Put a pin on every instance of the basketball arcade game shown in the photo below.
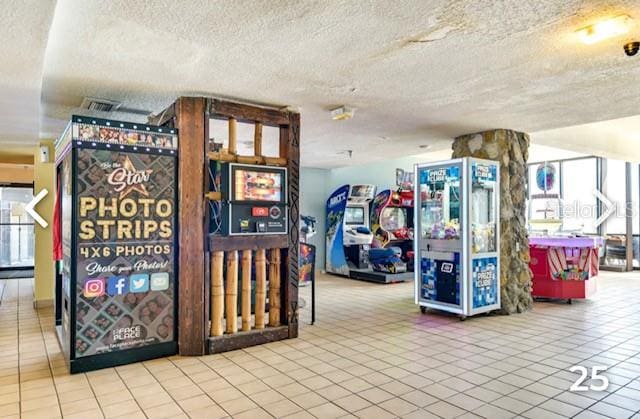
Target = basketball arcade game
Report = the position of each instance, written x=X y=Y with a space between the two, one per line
x=457 y=267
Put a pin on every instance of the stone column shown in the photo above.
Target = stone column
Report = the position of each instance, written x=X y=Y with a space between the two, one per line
x=510 y=148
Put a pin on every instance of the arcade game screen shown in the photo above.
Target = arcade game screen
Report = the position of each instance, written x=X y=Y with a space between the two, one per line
x=257 y=186
x=354 y=216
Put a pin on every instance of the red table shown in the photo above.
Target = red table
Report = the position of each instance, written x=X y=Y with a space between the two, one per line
x=564 y=267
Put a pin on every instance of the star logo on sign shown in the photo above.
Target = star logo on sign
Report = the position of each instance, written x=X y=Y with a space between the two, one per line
x=127 y=179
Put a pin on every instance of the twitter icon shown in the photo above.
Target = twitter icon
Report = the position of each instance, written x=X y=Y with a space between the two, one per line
x=139 y=283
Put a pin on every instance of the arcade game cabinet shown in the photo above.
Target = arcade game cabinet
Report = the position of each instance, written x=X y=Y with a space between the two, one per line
x=457 y=247
x=391 y=255
x=348 y=236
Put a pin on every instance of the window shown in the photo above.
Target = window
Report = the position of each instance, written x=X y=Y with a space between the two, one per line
x=580 y=207
x=614 y=188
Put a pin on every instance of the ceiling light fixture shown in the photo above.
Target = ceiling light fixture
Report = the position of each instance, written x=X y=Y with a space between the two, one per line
x=631 y=48
x=606 y=29
x=342 y=113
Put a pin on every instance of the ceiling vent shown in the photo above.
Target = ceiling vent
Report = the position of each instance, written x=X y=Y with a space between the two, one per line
x=100 y=105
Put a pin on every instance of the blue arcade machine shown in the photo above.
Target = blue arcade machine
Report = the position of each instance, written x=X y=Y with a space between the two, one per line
x=349 y=236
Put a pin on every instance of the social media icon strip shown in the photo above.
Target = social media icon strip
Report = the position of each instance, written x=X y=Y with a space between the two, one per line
x=118 y=285
x=139 y=283
x=93 y=287
x=159 y=281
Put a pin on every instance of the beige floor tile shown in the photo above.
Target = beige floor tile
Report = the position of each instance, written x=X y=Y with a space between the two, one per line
x=465 y=402
x=50 y=412
x=352 y=403
x=168 y=410
x=40 y=403
x=328 y=411
x=256 y=413
x=93 y=413
x=79 y=406
x=196 y=403
x=610 y=410
x=121 y=408
x=301 y=415
x=333 y=392
x=239 y=405
x=492 y=412
x=511 y=404
x=307 y=400
x=444 y=410
x=439 y=391
x=540 y=413
x=267 y=397
x=214 y=412
x=154 y=400
x=518 y=364
x=282 y=408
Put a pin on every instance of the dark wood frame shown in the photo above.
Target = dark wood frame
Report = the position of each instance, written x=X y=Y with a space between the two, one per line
x=191 y=116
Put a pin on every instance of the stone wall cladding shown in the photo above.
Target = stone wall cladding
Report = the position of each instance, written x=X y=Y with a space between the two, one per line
x=510 y=148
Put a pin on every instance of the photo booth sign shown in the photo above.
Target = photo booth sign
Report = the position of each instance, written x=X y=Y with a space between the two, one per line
x=119 y=272
x=125 y=254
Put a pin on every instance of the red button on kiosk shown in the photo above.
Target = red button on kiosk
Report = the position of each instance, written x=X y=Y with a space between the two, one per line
x=260 y=212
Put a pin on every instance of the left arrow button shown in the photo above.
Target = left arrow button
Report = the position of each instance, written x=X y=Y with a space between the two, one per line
x=32 y=212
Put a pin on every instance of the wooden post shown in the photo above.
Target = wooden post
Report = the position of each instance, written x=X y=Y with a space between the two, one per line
x=257 y=140
x=231 y=292
x=290 y=148
x=274 y=287
x=192 y=296
x=233 y=138
x=217 y=293
x=246 y=290
x=261 y=287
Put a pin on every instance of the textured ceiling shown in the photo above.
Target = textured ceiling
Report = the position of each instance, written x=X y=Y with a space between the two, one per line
x=24 y=26
x=418 y=72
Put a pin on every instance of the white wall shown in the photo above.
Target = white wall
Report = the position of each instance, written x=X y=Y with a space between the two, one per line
x=313 y=196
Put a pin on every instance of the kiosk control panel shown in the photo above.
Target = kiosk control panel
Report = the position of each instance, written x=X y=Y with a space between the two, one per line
x=255 y=199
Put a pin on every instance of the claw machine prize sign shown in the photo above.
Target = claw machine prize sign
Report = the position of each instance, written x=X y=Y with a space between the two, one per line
x=126 y=222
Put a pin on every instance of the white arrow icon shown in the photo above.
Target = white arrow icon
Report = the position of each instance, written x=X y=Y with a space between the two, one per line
x=32 y=212
x=607 y=206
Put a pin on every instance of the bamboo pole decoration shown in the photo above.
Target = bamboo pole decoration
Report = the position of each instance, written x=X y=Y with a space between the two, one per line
x=217 y=293
x=233 y=138
x=231 y=292
x=257 y=139
x=274 y=287
x=261 y=287
x=246 y=290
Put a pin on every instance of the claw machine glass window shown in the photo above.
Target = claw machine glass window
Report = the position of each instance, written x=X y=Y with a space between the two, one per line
x=483 y=210
x=440 y=209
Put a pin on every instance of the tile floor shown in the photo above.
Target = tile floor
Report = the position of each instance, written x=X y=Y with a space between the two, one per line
x=370 y=355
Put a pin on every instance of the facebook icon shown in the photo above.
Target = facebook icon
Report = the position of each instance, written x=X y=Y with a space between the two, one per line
x=117 y=285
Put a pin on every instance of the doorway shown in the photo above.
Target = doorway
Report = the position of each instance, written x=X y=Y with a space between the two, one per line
x=16 y=232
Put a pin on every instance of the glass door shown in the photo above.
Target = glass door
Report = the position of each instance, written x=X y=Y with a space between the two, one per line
x=16 y=228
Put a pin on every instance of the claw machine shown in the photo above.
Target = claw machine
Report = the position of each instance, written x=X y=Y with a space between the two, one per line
x=457 y=245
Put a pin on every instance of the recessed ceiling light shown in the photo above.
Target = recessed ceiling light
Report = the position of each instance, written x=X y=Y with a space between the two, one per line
x=605 y=29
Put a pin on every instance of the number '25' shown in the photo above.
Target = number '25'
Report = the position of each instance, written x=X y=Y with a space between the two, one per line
x=595 y=376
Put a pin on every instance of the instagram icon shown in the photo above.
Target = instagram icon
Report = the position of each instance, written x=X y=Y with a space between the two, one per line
x=93 y=288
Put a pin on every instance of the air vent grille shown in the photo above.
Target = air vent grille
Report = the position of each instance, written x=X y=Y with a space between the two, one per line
x=100 y=105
